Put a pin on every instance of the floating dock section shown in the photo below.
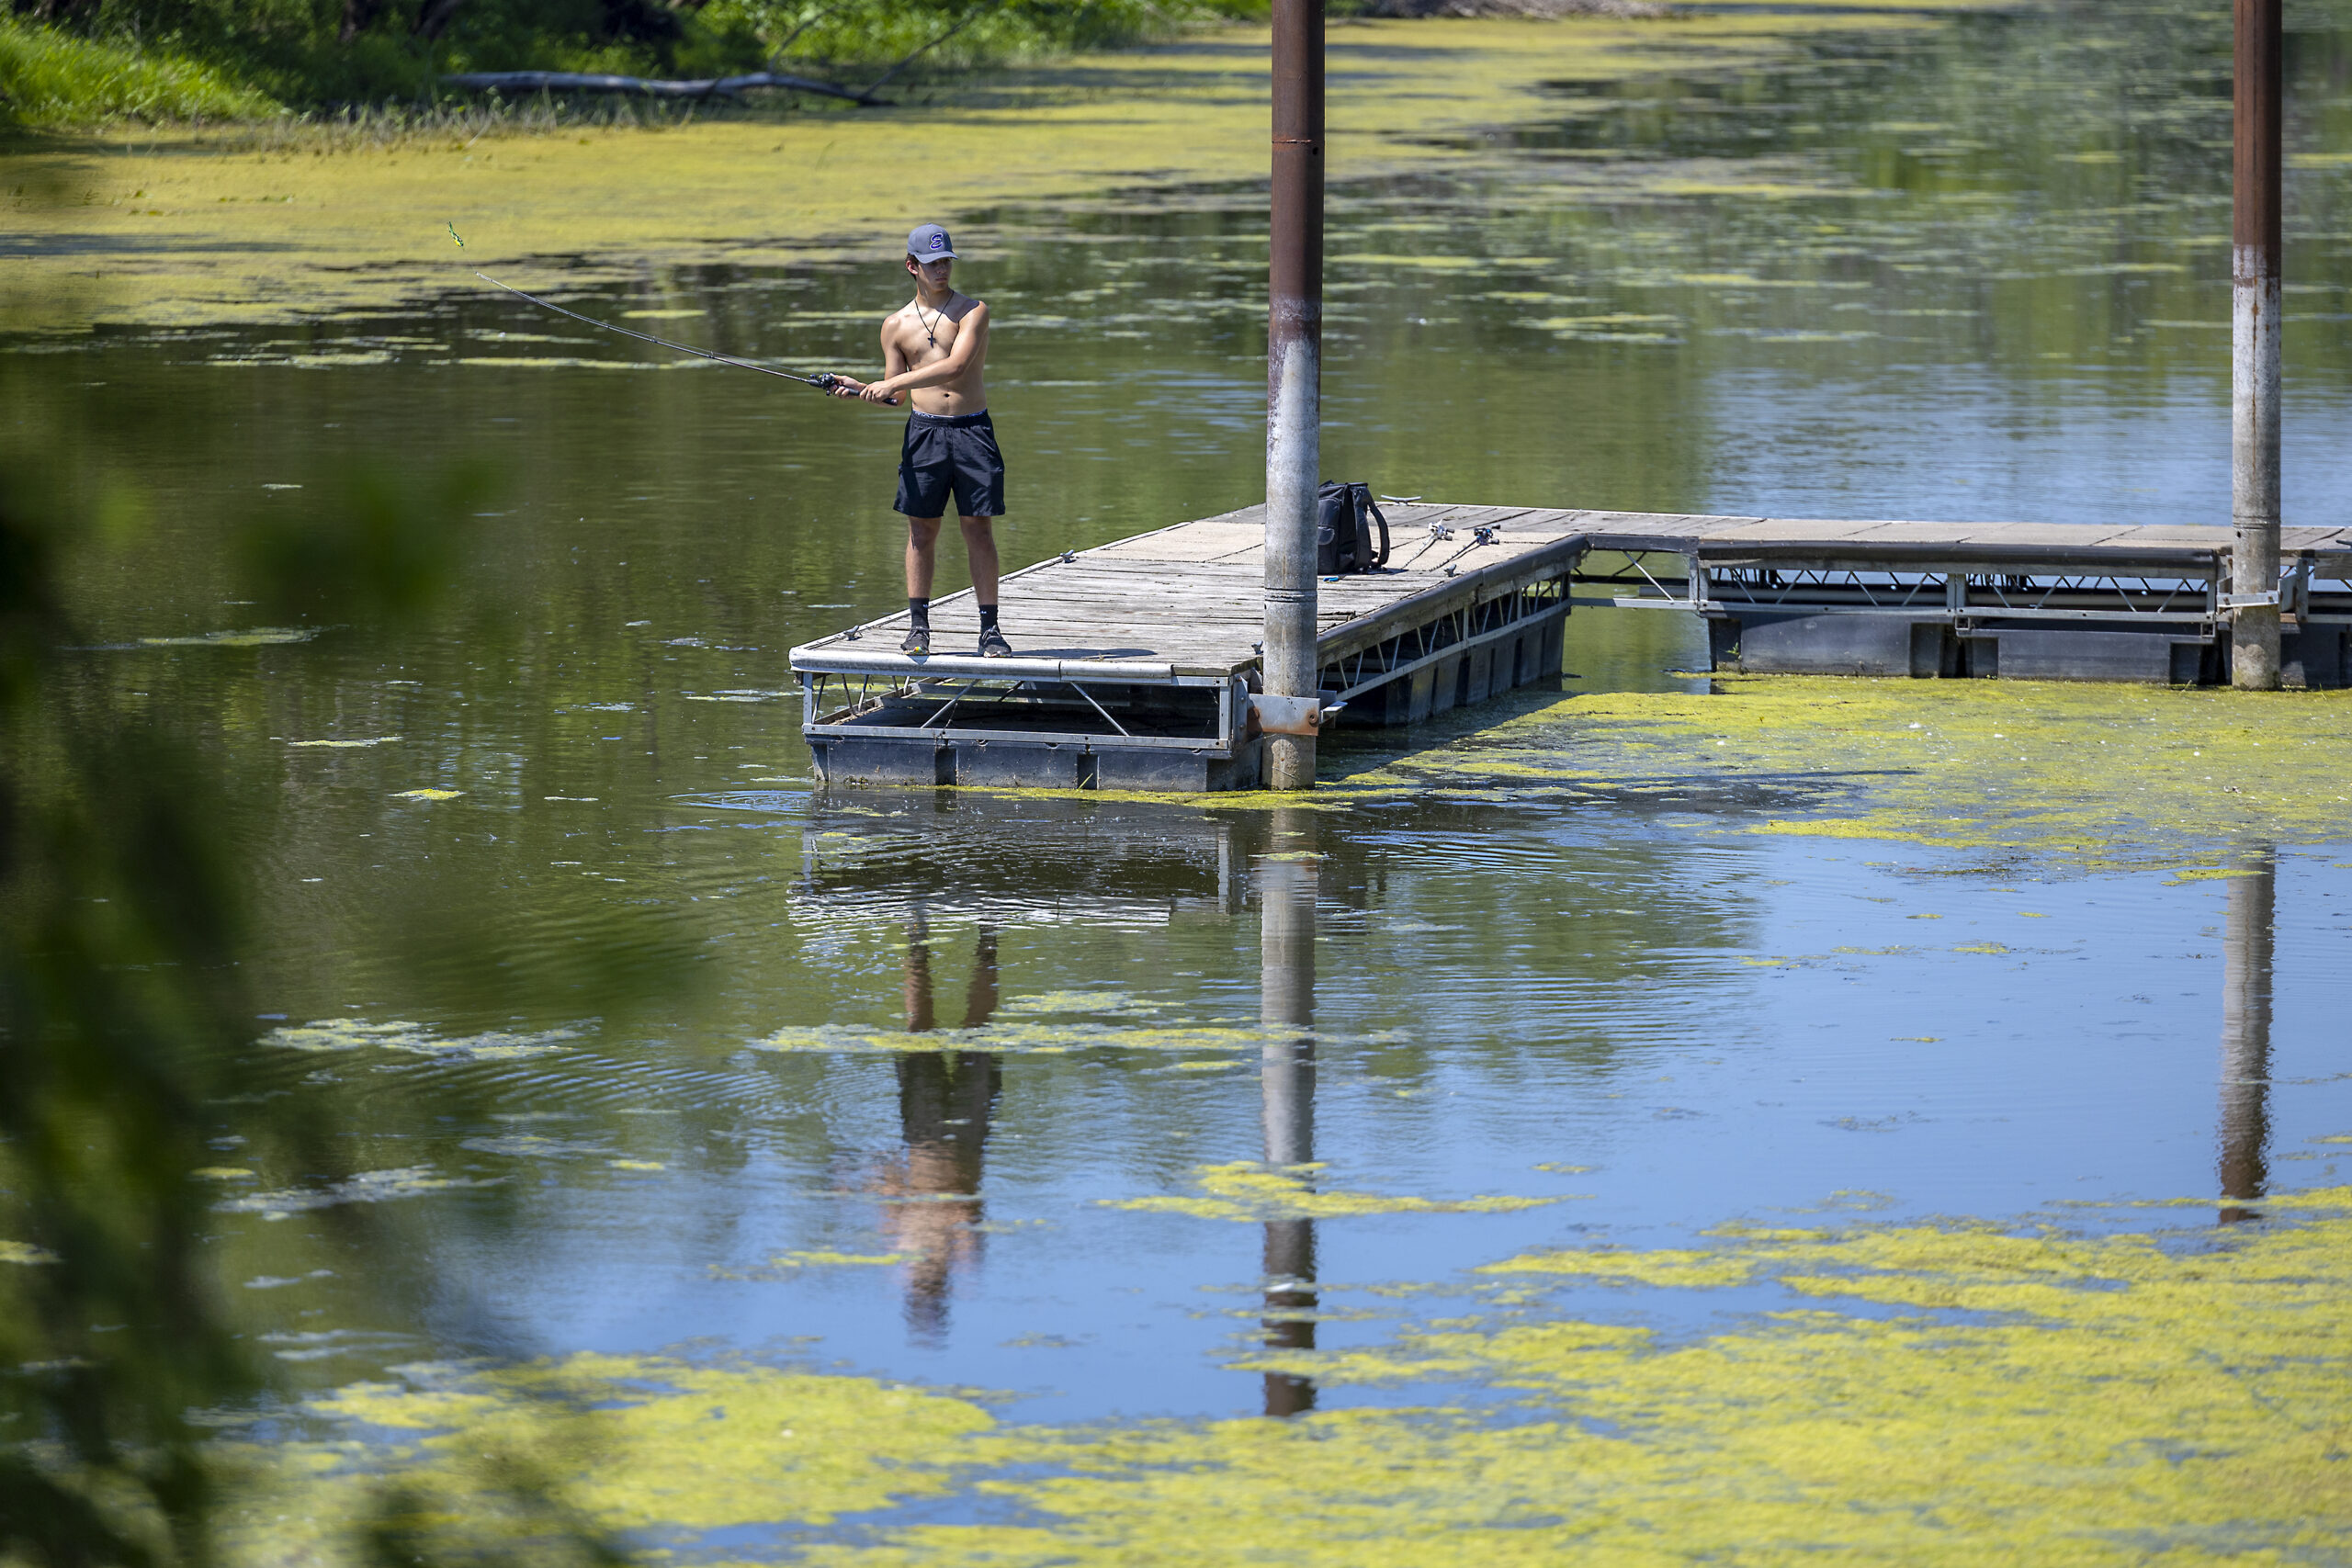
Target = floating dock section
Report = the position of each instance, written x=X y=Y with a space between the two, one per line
x=2027 y=600
x=1138 y=662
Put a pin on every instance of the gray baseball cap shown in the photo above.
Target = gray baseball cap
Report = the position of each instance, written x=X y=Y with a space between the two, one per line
x=930 y=242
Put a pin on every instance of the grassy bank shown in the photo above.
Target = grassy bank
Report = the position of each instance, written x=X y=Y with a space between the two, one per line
x=50 y=77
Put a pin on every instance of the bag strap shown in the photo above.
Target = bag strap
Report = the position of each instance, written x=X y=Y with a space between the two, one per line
x=1364 y=495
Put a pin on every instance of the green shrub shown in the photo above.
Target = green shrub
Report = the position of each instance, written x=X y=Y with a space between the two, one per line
x=866 y=32
x=50 y=77
x=223 y=59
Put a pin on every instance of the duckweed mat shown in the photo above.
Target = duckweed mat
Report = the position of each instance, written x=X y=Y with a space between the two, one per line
x=2112 y=776
x=1940 y=1394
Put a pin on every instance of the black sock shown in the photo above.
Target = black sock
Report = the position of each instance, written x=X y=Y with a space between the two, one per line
x=919 y=611
x=988 y=617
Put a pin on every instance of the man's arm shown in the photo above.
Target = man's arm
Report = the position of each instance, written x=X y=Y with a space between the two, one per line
x=971 y=343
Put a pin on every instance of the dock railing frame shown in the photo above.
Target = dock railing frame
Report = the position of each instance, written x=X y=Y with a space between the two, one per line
x=2187 y=588
x=1459 y=629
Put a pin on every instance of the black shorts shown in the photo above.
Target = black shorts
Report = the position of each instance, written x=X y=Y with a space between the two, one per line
x=951 y=454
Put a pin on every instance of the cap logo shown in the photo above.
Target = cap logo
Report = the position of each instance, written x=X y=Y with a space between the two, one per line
x=939 y=242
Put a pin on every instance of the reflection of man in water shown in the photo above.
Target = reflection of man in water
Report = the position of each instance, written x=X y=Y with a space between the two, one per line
x=945 y=1099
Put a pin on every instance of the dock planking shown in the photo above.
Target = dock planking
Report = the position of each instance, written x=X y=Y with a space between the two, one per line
x=1136 y=660
x=1192 y=595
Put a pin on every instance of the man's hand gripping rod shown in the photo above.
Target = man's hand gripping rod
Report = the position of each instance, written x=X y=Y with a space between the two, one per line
x=824 y=380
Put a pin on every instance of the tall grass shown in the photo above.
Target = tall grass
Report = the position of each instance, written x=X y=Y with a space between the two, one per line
x=464 y=120
x=50 y=77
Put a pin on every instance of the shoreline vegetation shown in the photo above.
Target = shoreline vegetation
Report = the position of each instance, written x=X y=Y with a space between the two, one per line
x=296 y=218
x=67 y=63
x=85 y=64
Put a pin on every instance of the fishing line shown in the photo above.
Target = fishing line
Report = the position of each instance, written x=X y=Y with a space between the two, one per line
x=824 y=380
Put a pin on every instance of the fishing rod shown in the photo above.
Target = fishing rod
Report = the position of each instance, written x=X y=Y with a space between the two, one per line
x=824 y=380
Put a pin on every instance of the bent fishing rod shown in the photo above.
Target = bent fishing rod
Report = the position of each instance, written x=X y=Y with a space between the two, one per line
x=824 y=380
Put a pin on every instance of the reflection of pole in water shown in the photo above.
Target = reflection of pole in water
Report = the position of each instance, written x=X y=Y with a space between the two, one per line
x=2244 y=1132
x=946 y=1101
x=1287 y=1080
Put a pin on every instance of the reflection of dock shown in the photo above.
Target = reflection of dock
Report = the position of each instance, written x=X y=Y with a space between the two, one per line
x=1138 y=659
x=1134 y=863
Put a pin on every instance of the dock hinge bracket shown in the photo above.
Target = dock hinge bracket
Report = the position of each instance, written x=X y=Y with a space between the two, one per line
x=1293 y=716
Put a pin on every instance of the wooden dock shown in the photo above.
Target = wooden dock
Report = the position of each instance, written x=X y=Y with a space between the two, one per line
x=1138 y=660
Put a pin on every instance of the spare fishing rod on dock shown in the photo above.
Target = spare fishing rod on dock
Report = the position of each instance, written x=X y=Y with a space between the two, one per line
x=824 y=380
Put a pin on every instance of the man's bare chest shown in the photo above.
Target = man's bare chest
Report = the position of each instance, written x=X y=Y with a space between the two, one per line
x=922 y=341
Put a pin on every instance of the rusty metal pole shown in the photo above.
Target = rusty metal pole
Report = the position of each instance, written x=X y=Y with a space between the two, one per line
x=1294 y=376
x=2255 y=294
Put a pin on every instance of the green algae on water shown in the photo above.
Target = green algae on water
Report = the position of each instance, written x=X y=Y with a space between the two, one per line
x=655 y=1445
x=213 y=226
x=2108 y=774
x=1017 y=1037
x=331 y=1034
x=1075 y=1002
x=1246 y=1190
x=365 y=1186
x=2033 y=1398
x=1935 y=1394
x=785 y=1265
x=1654 y=1267
x=259 y=636
x=534 y=1145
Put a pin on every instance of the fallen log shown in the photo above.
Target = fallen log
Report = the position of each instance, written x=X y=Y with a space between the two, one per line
x=647 y=87
x=1534 y=10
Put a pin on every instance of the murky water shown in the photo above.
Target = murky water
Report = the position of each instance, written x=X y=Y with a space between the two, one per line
x=673 y=1053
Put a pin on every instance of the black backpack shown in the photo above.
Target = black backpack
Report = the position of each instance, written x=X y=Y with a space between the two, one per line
x=1345 y=514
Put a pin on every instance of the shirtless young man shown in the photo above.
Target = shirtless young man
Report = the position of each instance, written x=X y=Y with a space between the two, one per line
x=934 y=349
